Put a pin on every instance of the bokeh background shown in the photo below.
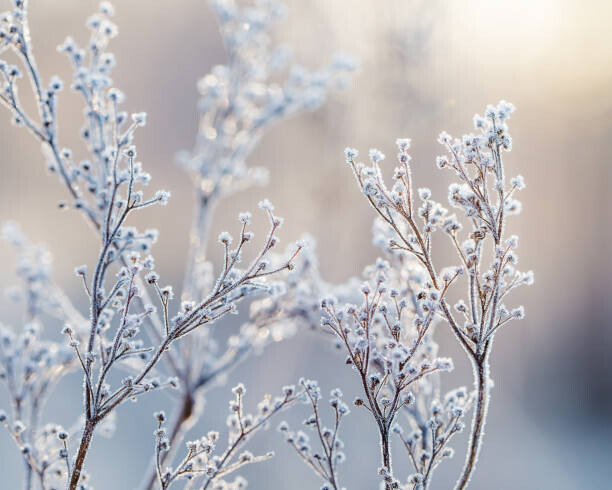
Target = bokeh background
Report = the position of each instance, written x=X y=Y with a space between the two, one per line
x=424 y=66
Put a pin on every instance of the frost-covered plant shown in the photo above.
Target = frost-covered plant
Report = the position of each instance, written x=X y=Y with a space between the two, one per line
x=433 y=424
x=30 y=364
x=239 y=102
x=202 y=466
x=387 y=337
x=134 y=328
x=385 y=341
x=124 y=329
x=325 y=461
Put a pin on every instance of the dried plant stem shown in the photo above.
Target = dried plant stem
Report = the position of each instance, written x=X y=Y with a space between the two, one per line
x=481 y=381
x=88 y=432
x=386 y=452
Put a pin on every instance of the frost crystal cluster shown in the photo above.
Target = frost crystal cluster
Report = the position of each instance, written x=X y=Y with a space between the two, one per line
x=388 y=337
x=131 y=340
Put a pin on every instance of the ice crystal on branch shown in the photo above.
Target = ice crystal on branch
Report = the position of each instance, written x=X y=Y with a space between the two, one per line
x=408 y=221
x=388 y=341
x=324 y=461
x=432 y=424
x=203 y=465
x=107 y=189
x=131 y=341
x=242 y=99
x=239 y=102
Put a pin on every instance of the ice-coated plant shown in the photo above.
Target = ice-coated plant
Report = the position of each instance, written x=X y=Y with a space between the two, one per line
x=388 y=337
x=202 y=466
x=131 y=341
x=133 y=322
x=30 y=364
x=325 y=461
x=239 y=102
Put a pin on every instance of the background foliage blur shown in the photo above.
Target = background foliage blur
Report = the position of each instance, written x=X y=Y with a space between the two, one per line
x=425 y=66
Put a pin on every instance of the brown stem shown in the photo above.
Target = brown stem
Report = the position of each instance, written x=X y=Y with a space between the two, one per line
x=481 y=374
x=83 y=448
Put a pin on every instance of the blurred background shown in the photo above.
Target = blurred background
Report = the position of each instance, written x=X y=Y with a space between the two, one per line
x=425 y=66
